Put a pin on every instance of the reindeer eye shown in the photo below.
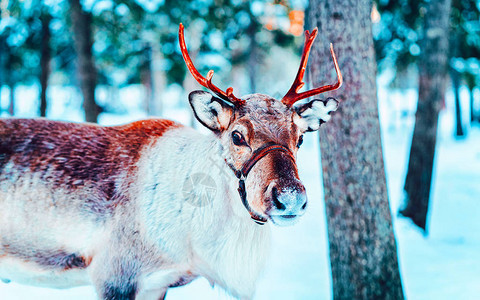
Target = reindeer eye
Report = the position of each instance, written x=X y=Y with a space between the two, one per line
x=238 y=139
x=300 y=141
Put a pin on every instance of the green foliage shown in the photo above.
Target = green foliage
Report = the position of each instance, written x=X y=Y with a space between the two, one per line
x=21 y=36
x=126 y=31
x=465 y=27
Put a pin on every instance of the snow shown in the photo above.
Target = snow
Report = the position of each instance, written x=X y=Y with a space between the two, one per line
x=445 y=264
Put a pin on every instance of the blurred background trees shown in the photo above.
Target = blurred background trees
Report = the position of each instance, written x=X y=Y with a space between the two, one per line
x=399 y=30
x=119 y=43
x=410 y=41
x=135 y=42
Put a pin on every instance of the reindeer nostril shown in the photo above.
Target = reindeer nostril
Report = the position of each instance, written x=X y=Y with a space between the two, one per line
x=279 y=205
x=304 y=205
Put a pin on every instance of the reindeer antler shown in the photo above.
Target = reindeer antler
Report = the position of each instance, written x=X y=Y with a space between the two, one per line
x=292 y=95
x=206 y=82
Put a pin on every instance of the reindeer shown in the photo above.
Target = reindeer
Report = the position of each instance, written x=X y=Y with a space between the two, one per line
x=118 y=208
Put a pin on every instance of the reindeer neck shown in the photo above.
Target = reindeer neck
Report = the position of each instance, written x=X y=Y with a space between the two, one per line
x=186 y=171
x=234 y=248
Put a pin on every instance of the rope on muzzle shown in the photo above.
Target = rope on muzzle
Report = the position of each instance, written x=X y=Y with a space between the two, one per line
x=247 y=167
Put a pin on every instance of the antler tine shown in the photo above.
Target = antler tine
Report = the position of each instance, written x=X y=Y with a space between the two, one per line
x=206 y=82
x=292 y=95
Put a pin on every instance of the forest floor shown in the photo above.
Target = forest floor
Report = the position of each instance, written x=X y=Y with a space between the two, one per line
x=443 y=264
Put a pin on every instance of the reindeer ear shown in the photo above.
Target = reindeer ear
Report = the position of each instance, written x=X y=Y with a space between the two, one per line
x=311 y=115
x=212 y=112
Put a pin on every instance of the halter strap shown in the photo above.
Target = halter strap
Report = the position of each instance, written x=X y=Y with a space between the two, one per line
x=247 y=166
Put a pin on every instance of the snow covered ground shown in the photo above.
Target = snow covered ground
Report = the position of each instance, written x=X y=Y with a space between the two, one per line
x=443 y=265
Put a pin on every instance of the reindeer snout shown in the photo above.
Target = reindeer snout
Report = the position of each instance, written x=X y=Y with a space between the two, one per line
x=289 y=199
x=288 y=202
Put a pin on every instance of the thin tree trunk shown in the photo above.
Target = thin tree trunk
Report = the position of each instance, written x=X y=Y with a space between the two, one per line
x=147 y=79
x=473 y=118
x=11 y=102
x=455 y=75
x=82 y=29
x=433 y=77
x=159 y=80
x=10 y=81
x=363 y=252
x=471 y=88
x=44 y=62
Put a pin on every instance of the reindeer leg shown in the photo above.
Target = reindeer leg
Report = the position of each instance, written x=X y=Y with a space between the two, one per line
x=115 y=278
x=159 y=294
x=119 y=292
x=162 y=297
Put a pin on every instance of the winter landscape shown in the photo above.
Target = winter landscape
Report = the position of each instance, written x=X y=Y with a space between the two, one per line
x=255 y=46
x=445 y=264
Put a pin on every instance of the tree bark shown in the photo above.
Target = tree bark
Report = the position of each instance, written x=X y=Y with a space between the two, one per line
x=455 y=76
x=44 y=62
x=82 y=36
x=363 y=252
x=433 y=77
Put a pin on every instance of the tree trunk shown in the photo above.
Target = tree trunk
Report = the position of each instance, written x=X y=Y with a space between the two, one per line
x=146 y=78
x=471 y=88
x=11 y=102
x=473 y=117
x=433 y=77
x=44 y=62
x=82 y=36
x=455 y=76
x=10 y=81
x=159 y=79
x=363 y=252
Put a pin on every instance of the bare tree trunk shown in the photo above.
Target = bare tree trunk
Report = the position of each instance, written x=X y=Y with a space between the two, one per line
x=159 y=79
x=471 y=88
x=11 y=102
x=363 y=252
x=433 y=77
x=473 y=116
x=146 y=78
x=44 y=62
x=455 y=76
x=82 y=29
x=10 y=81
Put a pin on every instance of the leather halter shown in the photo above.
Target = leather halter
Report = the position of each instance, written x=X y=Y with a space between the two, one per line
x=247 y=166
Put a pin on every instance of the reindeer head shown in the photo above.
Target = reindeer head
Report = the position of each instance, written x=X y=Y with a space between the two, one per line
x=261 y=135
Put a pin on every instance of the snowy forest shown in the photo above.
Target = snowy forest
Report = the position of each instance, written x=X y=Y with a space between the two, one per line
x=393 y=179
